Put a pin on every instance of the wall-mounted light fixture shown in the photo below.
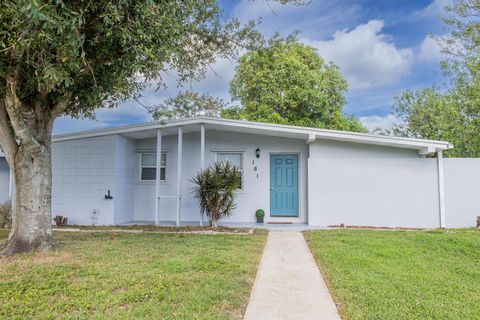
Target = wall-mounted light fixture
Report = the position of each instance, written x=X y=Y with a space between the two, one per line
x=108 y=196
x=257 y=153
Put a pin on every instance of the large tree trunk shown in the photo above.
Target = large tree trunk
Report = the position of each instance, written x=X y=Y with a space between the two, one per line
x=32 y=220
x=25 y=136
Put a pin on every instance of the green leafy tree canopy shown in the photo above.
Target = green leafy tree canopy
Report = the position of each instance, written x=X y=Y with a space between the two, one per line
x=431 y=114
x=451 y=113
x=287 y=82
x=62 y=57
x=189 y=104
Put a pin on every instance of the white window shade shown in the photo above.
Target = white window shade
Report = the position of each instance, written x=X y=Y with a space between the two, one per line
x=149 y=160
x=234 y=158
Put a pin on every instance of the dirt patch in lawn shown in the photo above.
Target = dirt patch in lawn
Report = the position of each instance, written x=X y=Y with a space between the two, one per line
x=157 y=229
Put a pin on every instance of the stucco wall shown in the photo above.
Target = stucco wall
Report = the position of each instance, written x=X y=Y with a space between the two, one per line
x=83 y=172
x=256 y=191
x=371 y=186
x=4 y=180
x=462 y=191
x=337 y=149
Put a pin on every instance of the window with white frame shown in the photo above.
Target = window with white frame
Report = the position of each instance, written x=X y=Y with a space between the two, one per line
x=148 y=166
x=235 y=159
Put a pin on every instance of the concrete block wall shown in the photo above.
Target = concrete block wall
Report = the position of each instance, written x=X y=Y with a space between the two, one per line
x=83 y=172
x=125 y=164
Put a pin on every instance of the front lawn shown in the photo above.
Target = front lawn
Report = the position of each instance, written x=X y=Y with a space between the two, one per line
x=118 y=275
x=401 y=274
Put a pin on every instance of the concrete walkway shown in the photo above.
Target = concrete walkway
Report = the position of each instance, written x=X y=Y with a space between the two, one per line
x=288 y=283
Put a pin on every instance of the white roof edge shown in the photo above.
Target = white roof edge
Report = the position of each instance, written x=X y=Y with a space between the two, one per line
x=410 y=143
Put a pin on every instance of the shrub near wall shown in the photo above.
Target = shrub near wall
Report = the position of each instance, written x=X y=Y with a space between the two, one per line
x=5 y=214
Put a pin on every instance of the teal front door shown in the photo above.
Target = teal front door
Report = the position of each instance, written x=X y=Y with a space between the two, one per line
x=284 y=185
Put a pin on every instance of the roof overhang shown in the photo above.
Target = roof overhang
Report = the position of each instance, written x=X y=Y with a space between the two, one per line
x=310 y=135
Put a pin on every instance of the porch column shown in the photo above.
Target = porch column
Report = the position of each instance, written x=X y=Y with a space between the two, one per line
x=157 y=175
x=10 y=184
x=441 y=189
x=202 y=157
x=179 y=173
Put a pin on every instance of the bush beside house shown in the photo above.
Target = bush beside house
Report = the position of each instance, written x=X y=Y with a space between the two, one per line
x=5 y=214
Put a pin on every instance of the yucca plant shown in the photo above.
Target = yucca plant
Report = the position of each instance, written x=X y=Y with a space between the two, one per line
x=215 y=188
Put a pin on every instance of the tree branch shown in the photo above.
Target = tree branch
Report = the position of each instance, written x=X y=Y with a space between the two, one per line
x=13 y=107
x=61 y=106
x=7 y=137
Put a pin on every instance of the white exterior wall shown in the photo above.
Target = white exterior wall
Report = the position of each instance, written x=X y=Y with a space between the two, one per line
x=365 y=185
x=83 y=172
x=462 y=191
x=125 y=163
x=354 y=184
x=4 y=180
x=337 y=150
x=256 y=191
x=144 y=191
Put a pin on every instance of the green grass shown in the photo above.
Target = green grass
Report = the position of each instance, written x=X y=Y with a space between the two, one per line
x=401 y=275
x=132 y=276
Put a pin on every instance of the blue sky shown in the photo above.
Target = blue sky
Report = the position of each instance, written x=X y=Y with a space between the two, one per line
x=381 y=47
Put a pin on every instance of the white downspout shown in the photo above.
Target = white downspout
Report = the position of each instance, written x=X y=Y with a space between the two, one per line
x=157 y=175
x=202 y=157
x=441 y=189
x=179 y=173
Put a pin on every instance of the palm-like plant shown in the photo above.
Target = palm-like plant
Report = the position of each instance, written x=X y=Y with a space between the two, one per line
x=215 y=188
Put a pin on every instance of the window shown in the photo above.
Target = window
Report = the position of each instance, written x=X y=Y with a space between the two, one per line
x=234 y=158
x=148 y=166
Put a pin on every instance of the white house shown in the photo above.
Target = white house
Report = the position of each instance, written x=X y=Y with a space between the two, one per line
x=4 y=179
x=141 y=174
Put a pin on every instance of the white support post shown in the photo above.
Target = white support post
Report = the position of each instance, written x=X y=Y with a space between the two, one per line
x=157 y=175
x=10 y=185
x=179 y=173
x=441 y=189
x=202 y=157
x=11 y=189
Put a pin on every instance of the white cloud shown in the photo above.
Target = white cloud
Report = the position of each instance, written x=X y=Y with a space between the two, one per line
x=315 y=19
x=378 y=122
x=217 y=80
x=365 y=56
x=216 y=83
x=250 y=10
x=127 y=113
x=435 y=9
x=430 y=49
